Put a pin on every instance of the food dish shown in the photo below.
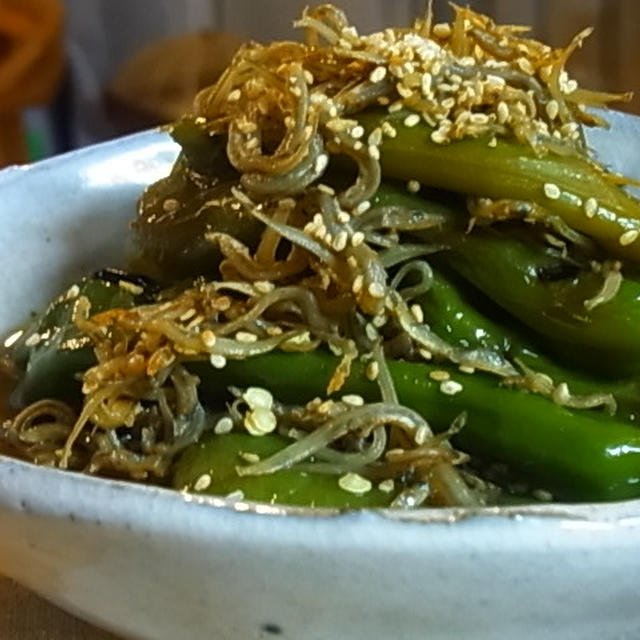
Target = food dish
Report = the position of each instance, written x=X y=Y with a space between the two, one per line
x=282 y=252
x=153 y=563
x=156 y=564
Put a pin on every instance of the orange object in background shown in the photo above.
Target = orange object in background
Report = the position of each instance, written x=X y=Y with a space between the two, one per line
x=30 y=66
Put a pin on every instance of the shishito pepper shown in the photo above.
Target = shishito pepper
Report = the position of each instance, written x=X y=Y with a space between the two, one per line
x=567 y=186
x=577 y=455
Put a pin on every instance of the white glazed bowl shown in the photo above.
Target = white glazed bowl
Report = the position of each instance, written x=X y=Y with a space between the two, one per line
x=154 y=564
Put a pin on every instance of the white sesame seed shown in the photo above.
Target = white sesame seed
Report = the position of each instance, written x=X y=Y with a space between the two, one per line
x=260 y=421
x=375 y=137
x=417 y=313
x=236 y=495
x=321 y=163
x=493 y=142
x=629 y=237
x=364 y=206
x=439 y=137
x=203 y=482
x=246 y=337
x=374 y=152
x=395 y=106
x=217 y=361
x=250 y=457
x=389 y=130
x=354 y=483
x=552 y=109
x=170 y=205
x=33 y=340
x=340 y=241
x=425 y=83
x=325 y=188
x=372 y=370
x=421 y=435
x=357 y=239
x=590 y=207
x=208 y=338
x=465 y=368
x=357 y=131
x=438 y=375
x=386 y=486
x=351 y=261
x=502 y=111
x=551 y=190
x=224 y=425
x=378 y=74
x=404 y=91
x=413 y=186
x=263 y=286
x=134 y=289
x=357 y=284
x=258 y=398
x=234 y=95
x=353 y=399
x=376 y=290
x=425 y=353
x=411 y=120
x=442 y=30
x=450 y=387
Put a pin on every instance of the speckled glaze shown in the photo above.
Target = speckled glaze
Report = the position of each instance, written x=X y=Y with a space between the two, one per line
x=153 y=564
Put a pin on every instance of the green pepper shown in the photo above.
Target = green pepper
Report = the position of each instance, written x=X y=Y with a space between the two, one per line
x=209 y=467
x=515 y=275
x=577 y=455
x=561 y=184
x=52 y=352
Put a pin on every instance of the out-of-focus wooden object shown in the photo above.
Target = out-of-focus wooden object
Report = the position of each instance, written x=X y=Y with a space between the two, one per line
x=30 y=66
x=158 y=83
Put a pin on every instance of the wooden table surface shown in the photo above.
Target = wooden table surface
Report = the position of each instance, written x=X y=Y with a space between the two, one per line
x=25 y=616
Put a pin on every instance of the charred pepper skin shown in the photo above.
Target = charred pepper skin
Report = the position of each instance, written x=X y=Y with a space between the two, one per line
x=513 y=171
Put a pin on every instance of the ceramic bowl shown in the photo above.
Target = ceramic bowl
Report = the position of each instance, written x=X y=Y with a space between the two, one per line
x=154 y=564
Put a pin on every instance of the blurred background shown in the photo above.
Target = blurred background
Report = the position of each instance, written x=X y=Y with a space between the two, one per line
x=74 y=72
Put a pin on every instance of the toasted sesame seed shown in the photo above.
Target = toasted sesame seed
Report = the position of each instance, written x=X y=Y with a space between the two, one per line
x=234 y=95
x=263 y=286
x=388 y=129
x=374 y=152
x=353 y=399
x=442 y=30
x=340 y=241
x=551 y=190
x=325 y=188
x=250 y=457
x=413 y=186
x=411 y=120
x=438 y=375
x=358 y=281
x=375 y=137
x=203 y=482
x=502 y=111
x=364 y=206
x=417 y=313
x=208 y=338
x=421 y=435
x=217 y=361
x=552 y=109
x=321 y=163
x=357 y=239
x=224 y=425
x=354 y=483
x=308 y=76
x=628 y=237
x=351 y=260
x=260 y=421
x=246 y=337
x=372 y=370
x=450 y=387
x=257 y=397
x=376 y=290
x=387 y=486
x=590 y=207
x=378 y=74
